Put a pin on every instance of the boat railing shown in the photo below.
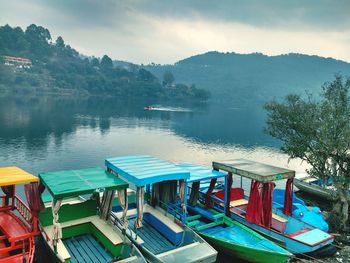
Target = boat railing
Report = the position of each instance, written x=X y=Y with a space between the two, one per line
x=173 y=210
x=3 y=200
x=129 y=231
x=23 y=210
x=216 y=202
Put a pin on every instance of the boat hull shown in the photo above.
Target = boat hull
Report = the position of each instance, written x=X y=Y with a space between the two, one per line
x=289 y=244
x=315 y=190
x=244 y=252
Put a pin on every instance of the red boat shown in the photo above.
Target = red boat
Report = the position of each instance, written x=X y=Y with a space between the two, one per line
x=18 y=221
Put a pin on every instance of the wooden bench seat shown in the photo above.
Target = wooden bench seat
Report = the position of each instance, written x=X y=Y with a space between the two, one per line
x=105 y=228
x=279 y=218
x=238 y=202
x=159 y=213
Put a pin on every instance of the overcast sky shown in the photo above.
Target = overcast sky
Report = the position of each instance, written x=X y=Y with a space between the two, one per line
x=164 y=31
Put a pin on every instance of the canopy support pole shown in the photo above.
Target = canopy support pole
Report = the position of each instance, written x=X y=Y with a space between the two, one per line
x=228 y=185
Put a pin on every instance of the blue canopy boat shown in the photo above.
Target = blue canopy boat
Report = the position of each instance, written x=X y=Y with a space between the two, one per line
x=257 y=212
x=160 y=236
x=225 y=234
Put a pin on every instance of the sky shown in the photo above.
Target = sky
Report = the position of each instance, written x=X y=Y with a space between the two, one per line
x=165 y=31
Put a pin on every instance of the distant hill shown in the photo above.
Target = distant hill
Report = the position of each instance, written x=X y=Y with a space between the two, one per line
x=245 y=76
x=31 y=62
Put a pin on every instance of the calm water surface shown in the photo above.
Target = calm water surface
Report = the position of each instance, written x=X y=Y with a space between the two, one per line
x=52 y=133
x=56 y=133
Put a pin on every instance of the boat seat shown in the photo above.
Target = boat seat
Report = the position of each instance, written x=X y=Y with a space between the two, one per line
x=3 y=245
x=279 y=218
x=235 y=194
x=278 y=223
x=238 y=202
x=11 y=226
x=159 y=213
x=105 y=228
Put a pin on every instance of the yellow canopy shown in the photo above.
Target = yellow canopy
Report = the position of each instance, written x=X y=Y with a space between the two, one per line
x=13 y=175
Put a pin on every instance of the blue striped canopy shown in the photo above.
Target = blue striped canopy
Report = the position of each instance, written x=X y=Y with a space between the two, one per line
x=141 y=170
x=200 y=173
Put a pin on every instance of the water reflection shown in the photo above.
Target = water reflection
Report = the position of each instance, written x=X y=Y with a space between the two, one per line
x=50 y=133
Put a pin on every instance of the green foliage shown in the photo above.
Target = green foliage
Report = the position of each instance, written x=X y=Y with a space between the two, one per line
x=60 y=42
x=168 y=78
x=59 y=68
x=318 y=131
x=106 y=62
x=253 y=76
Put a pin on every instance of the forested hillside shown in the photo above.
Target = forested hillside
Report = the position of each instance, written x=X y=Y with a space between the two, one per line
x=254 y=76
x=59 y=68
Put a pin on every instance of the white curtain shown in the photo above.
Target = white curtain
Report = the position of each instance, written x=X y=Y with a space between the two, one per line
x=123 y=201
x=139 y=205
x=182 y=196
x=106 y=204
x=56 y=230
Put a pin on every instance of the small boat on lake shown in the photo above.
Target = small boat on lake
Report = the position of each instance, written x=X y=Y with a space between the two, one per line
x=222 y=232
x=18 y=221
x=149 y=107
x=316 y=187
x=258 y=213
x=160 y=236
x=77 y=228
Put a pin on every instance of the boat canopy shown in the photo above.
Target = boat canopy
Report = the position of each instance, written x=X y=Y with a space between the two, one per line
x=254 y=170
x=200 y=173
x=13 y=175
x=143 y=169
x=71 y=183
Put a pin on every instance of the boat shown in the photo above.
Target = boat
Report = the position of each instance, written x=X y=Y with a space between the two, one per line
x=257 y=212
x=223 y=233
x=311 y=215
x=149 y=107
x=18 y=221
x=159 y=235
x=76 y=225
x=316 y=187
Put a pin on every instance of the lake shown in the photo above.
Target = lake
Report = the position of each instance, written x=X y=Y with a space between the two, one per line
x=53 y=133
x=56 y=133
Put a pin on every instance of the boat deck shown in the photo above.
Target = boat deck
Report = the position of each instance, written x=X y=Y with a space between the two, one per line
x=85 y=248
x=154 y=241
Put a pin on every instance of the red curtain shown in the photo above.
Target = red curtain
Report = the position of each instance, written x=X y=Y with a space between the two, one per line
x=267 y=192
x=8 y=191
x=254 y=209
x=33 y=198
x=209 y=192
x=288 y=197
x=228 y=193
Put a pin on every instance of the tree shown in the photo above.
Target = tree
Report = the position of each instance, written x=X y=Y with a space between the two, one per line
x=318 y=132
x=106 y=62
x=168 y=78
x=60 y=42
x=95 y=62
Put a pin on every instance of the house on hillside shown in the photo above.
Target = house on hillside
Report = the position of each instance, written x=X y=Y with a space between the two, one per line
x=17 y=62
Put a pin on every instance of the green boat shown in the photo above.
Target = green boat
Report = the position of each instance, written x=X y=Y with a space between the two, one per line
x=76 y=225
x=223 y=233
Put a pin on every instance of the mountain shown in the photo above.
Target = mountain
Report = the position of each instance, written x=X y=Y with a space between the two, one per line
x=258 y=76
x=30 y=62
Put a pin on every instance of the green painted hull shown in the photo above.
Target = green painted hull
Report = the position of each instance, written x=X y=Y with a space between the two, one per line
x=234 y=247
x=244 y=252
